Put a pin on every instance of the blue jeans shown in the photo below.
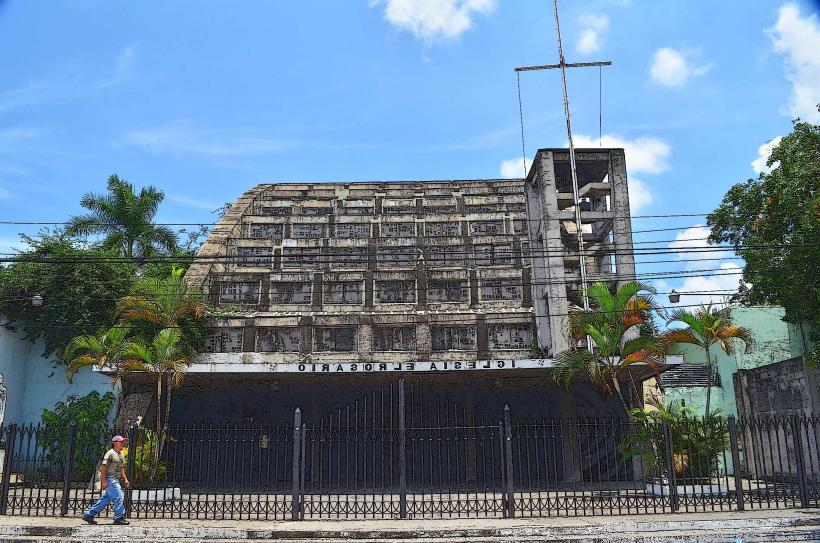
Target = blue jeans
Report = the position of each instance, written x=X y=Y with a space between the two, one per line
x=113 y=493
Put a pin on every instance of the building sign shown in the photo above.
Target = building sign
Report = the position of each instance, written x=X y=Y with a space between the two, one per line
x=394 y=367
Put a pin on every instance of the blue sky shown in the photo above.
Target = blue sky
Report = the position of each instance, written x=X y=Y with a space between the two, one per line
x=206 y=99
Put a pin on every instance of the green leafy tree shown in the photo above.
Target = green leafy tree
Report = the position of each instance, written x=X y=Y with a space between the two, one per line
x=159 y=304
x=697 y=443
x=620 y=326
x=90 y=413
x=774 y=223
x=164 y=360
x=125 y=218
x=708 y=328
x=80 y=287
x=106 y=350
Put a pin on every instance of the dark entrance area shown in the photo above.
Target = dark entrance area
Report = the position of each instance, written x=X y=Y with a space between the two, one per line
x=467 y=398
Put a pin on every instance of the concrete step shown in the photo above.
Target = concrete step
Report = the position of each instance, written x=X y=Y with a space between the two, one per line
x=706 y=528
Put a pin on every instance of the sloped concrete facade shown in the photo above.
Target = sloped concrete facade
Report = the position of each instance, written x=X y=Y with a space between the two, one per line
x=313 y=275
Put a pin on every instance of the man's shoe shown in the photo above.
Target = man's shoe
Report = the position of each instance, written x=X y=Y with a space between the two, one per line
x=121 y=521
x=89 y=519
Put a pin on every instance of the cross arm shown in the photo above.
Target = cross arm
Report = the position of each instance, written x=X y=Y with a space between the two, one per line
x=570 y=65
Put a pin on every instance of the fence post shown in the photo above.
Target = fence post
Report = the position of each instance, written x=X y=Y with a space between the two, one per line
x=7 y=463
x=71 y=434
x=297 y=455
x=801 y=464
x=508 y=462
x=738 y=475
x=670 y=466
x=402 y=454
x=130 y=466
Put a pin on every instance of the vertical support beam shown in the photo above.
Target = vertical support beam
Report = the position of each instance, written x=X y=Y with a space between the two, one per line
x=670 y=467
x=800 y=466
x=130 y=463
x=71 y=434
x=7 y=466
x=508 y=462
x=302 y=474
x=736 y=468
x=501 y=455
x=402 y=453
x=552 y=257
x=621 y=222
x=297 y=455
x=482 y=338
x=570 y=437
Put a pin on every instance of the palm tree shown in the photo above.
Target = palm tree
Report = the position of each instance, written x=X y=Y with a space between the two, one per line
x=105 y=350
x=165 y=361
x=166 y=303
x=125 y=219
x=620 y=326
x=708 y=327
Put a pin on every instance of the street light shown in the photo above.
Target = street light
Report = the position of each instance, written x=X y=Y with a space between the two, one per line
x=37 y=300
x=674 y=296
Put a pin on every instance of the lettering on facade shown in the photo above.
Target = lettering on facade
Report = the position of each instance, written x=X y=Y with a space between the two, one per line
x=367 y=367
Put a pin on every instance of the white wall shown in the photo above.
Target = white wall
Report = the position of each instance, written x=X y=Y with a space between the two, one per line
x=34 y=383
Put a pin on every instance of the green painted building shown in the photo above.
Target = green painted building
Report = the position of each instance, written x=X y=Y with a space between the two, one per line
x=775 y=341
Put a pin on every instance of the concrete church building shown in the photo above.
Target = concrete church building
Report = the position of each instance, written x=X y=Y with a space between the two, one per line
x=330 y=292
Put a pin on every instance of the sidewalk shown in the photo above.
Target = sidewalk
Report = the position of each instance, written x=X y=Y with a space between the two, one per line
x=749 y=526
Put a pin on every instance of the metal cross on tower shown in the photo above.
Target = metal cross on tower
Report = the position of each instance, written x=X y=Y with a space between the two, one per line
x=563 y=66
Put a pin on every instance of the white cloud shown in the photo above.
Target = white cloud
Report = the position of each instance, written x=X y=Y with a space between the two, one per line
x=122 y=66
x=701 y=289
x=692 y=238
x=798 y=39
x=673 y=68
x=514 y=168
x=639 y=195
x=9 y=137
x=763 y=153
x=9 y=246
x=431 y=20
x=70 y=86
x=643 y=155
x=181 y=138
x=192 y=202
x=698 y=289
x=591 y=36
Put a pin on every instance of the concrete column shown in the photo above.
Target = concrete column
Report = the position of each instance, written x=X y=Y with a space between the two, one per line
x=556 y=291
x=571 y=442
x=621 y=224
x=482 y=339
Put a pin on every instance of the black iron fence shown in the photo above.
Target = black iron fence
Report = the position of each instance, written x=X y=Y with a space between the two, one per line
x=390 y=456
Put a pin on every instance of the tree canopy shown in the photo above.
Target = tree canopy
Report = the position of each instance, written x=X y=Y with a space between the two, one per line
x=125 y=218
x=620 y=326
x=774 y=224
x=80 y=287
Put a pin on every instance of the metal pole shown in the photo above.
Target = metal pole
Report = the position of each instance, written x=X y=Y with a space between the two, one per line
x=502 y=456
x=670 y=466
x=402 y=454
x=7 y=463
x=508 y=462
x=71 y=434
x=801 y=464
x=736 y=462
x=578 y=225
x=297 y=453
x=133 y=436
x=302 y=474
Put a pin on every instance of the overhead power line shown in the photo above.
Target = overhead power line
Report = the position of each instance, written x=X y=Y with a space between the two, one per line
x=451 y=318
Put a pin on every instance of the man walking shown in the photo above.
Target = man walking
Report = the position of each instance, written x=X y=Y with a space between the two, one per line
x=111 y=471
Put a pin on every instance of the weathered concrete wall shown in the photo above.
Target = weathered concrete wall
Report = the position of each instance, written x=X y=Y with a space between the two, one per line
x=775 y=340
x=35 y=383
